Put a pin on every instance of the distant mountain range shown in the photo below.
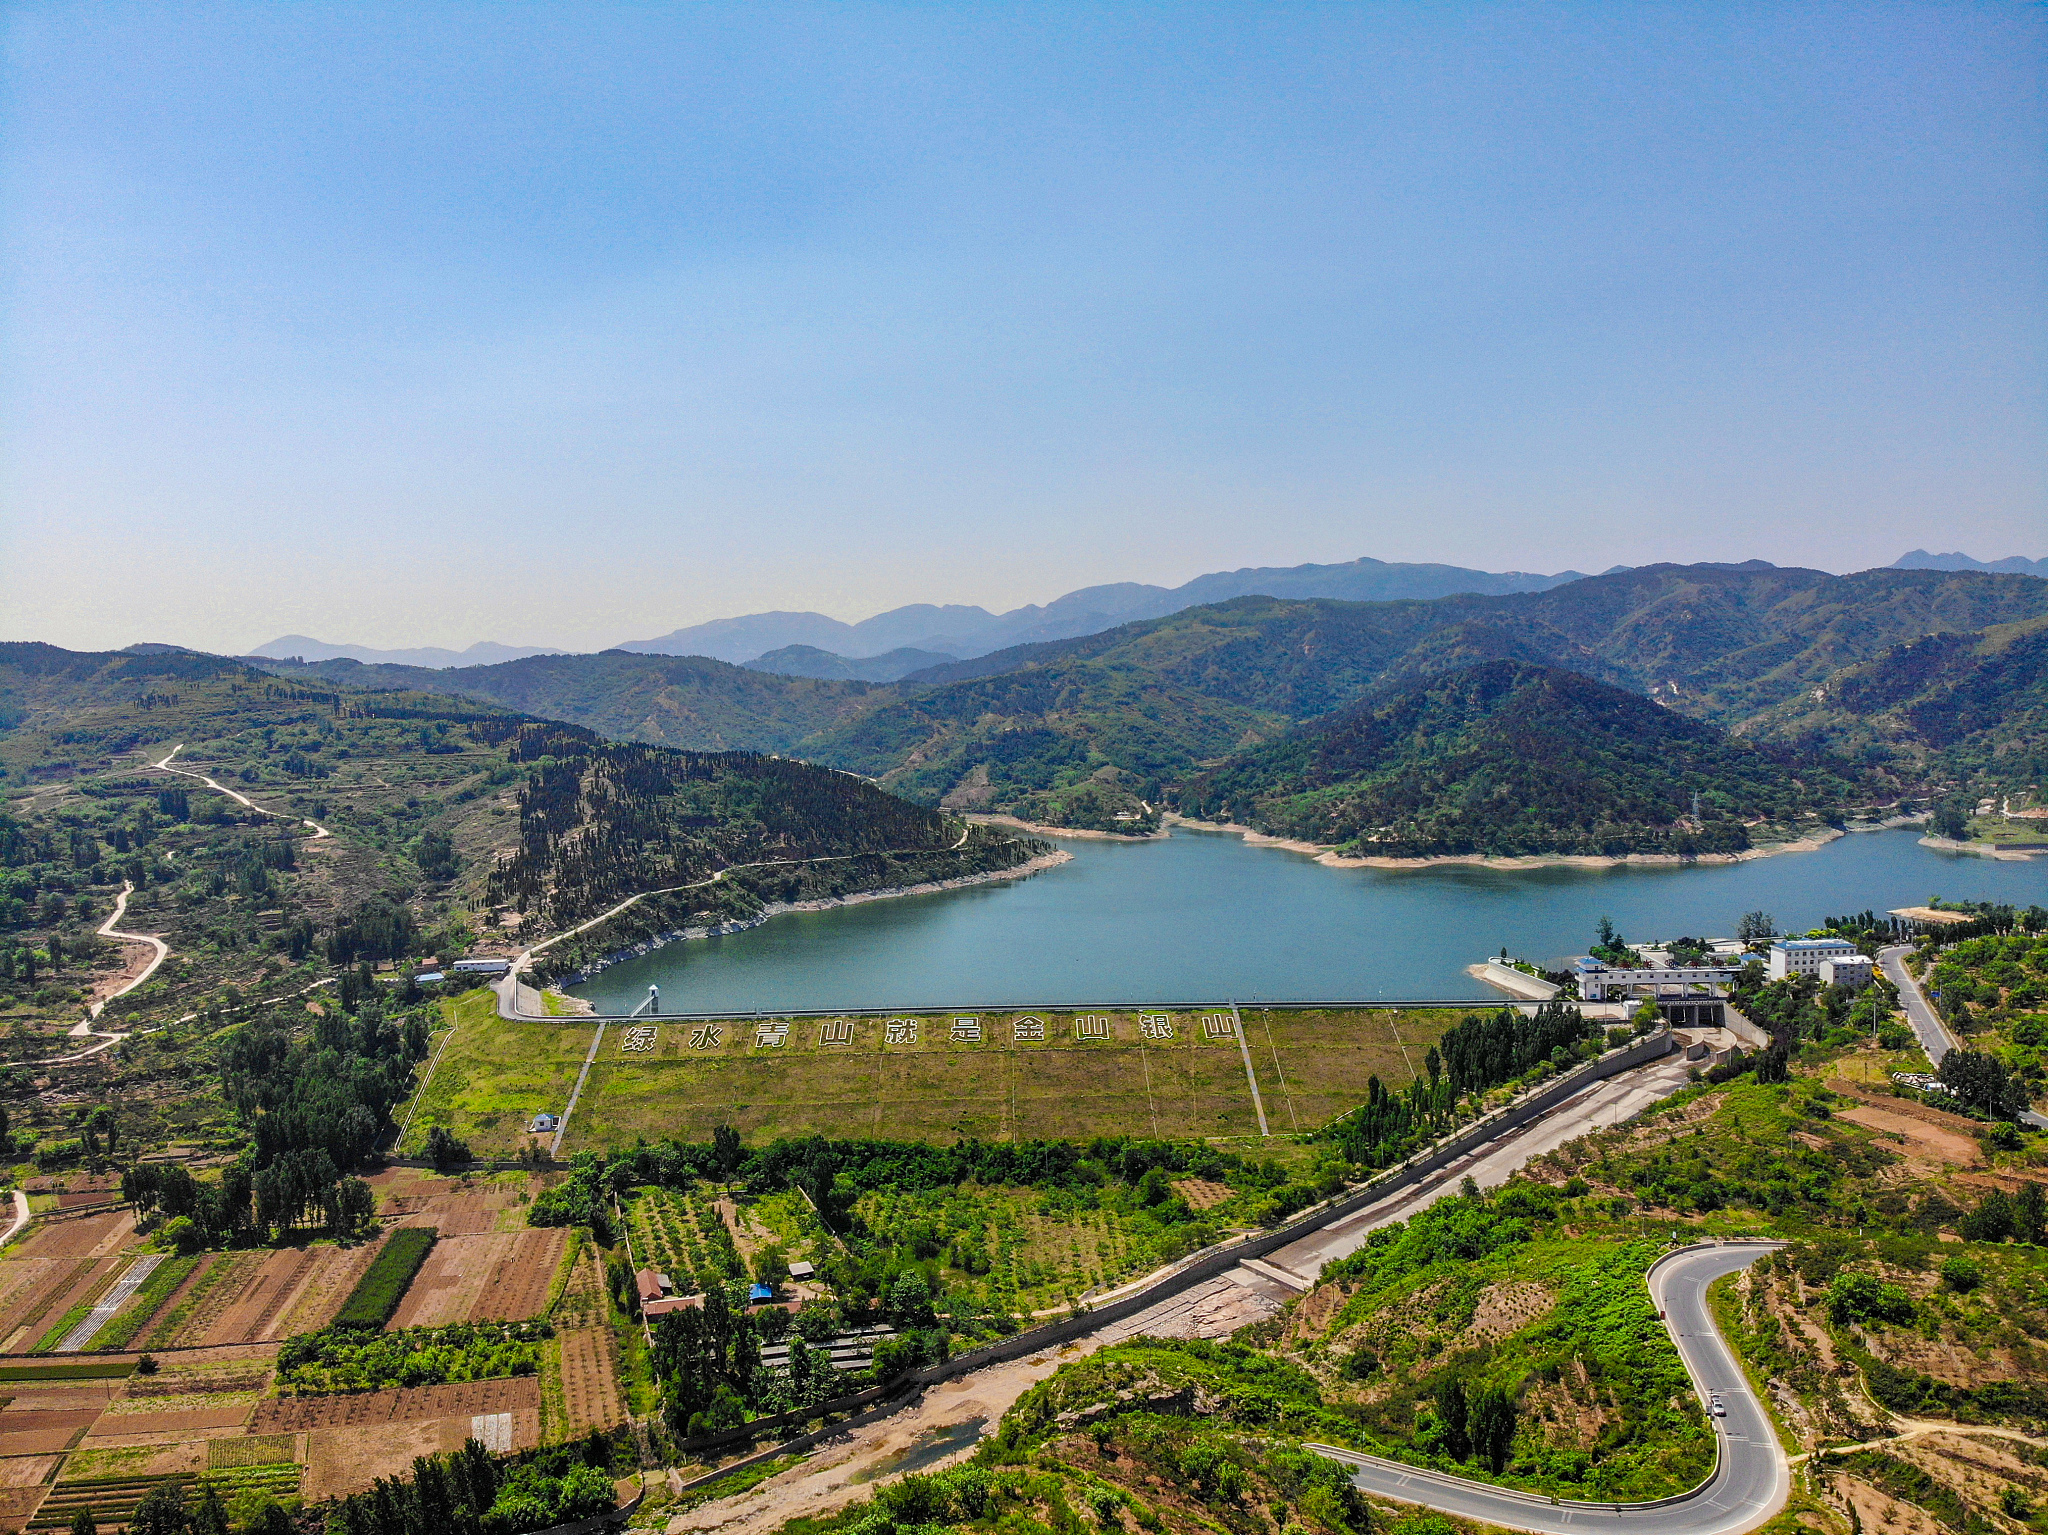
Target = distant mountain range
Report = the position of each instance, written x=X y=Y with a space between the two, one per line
x=809 y=661
x=483 y=653
x=1884 y=680
x=813 y=645
x=1920 y=559
x=963 y=632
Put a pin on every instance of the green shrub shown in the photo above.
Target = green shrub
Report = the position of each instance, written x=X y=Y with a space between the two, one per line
x=383 y=1285
x=1961 y=1273
x=1859 y=1297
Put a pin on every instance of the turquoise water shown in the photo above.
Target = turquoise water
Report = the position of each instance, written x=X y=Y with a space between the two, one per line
x=1202 y=917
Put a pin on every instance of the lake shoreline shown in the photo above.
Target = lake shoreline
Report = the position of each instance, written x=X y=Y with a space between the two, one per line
x=823 y=903
x=980 y=818
x=1330 y=858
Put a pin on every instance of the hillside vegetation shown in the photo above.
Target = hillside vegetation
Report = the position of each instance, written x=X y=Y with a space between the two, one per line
x=1928 y=678
x=1504 y=757
x=448 y=816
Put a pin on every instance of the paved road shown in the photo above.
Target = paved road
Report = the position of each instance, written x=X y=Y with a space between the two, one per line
x=1600 y=1106
x=1935 y=1038
x=1751 y=1477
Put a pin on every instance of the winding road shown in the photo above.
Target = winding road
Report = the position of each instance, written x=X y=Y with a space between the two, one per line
x=1751 y=1475
x=1935 y=1038
x=163 y=765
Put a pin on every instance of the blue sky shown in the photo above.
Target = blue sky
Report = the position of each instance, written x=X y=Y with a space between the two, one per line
x=570 y=324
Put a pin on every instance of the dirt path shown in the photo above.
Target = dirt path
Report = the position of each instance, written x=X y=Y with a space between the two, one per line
x=159 y=952
x=164 y=766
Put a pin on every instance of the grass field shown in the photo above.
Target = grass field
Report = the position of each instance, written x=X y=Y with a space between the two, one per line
x=923 y=1075
x=918 y=1076
x=495 y=1075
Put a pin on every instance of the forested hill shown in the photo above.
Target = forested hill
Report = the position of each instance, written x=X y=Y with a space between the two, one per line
x=1090 y=731
x=1969 y=707
x=691 y=702
x=1152 y=703
x=443 y=809
x=601 y=820
x=1506 y=758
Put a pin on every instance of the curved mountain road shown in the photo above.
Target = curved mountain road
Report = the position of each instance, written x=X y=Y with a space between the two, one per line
x=1935 y=1038
x=1751 y=1474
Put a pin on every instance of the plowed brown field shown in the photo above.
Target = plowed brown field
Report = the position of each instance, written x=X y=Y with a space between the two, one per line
x=500 y=1277
x=80 y=1236
x=285 y=1415
x=34 y=1283
x=85 y=1277
x=322 y=1292
x=249 y=1310
x=590 y=1380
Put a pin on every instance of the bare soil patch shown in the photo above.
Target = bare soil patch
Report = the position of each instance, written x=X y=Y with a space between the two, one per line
x=84 y=1278
x=590 y=1380
x=1928 y=1141
x=1504 y=1309
x=185 y=1422
x=26 y=1470
x=284 y=1415
x=1201 y=1193
x=80 y=1237
x=451 y=1281
x=249 y=1309
x=520 y=1289
x=321 y=1293
x=32 y=1283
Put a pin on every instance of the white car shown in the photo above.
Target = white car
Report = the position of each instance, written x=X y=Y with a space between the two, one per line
x=1719 y=1410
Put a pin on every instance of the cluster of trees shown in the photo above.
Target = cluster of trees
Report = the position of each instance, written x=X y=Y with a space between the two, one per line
x=162 y=1511
x=1386 y=1127
x=379 y=928
x=2003 y=1217
x=1980 y=1081
x=1608 y=945
x=1482 y=1052
x=1476 y=1423
x=318 y=1104
x=599 y=820
x=470 y=1493
x=709 y=1359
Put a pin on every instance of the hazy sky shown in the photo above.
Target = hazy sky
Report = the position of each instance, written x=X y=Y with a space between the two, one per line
x=570 y=324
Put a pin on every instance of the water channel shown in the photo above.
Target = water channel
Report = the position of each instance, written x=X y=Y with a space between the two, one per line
x=1200 y=916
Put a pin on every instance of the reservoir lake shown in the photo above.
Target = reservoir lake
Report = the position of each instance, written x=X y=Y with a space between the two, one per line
x=1202 y=917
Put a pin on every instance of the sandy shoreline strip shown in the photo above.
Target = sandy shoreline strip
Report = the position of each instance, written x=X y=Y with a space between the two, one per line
x=1037 y=830
x=1330 y=858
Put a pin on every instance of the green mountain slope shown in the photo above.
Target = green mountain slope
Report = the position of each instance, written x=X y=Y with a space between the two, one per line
x=1962 y=707
x=1157 y=700
x=446 y=814
x=691 y=702
x=1505 y=758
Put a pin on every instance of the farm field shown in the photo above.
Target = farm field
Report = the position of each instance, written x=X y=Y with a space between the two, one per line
x=86 y=1430
x=496 y=1277
x=993 y=1076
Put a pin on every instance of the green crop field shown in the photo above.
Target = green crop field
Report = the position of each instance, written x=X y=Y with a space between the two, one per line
x=918 y=1075
x=940 y=1076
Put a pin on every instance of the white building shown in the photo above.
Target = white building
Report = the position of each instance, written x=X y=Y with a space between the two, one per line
x=1602 y=982
x=1852 y=972
x=1805 y=956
